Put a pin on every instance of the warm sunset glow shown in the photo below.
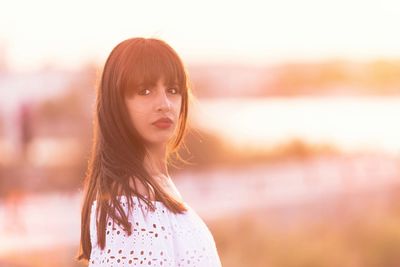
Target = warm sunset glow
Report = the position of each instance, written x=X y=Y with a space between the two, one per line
x=291 y=153
x=36 y=33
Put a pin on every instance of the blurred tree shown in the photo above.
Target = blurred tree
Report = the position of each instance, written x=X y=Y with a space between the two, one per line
x=25 y=128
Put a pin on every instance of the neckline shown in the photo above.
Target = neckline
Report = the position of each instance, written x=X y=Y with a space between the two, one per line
x=136 y=198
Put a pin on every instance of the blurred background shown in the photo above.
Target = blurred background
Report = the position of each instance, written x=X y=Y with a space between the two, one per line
x=295 y=142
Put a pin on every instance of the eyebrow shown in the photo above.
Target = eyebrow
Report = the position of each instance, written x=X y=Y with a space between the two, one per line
x=154 y=84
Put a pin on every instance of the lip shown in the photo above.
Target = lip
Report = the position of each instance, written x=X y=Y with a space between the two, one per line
x=163 y=123
x=163 y=120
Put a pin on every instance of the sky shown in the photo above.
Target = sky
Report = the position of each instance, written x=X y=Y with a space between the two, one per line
x=40 y=33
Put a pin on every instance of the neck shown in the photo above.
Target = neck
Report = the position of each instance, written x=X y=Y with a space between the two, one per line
x=155 y=162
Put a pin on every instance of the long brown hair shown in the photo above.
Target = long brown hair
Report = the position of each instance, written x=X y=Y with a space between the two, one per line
x=118 y=151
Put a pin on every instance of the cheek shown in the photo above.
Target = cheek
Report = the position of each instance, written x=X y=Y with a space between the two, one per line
x=137 y=113
x=177 y=105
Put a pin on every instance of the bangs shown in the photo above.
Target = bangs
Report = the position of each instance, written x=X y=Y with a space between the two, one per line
x=149 y=64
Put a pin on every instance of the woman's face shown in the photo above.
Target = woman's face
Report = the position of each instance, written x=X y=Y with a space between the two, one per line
x=150 y=103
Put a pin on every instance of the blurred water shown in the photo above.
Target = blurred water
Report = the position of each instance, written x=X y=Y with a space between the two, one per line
x=349 y=123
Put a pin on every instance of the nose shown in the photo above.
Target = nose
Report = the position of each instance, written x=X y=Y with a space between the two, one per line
x=163 y=102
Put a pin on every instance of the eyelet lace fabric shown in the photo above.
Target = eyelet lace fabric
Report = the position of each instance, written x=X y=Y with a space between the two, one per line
x=158 y=238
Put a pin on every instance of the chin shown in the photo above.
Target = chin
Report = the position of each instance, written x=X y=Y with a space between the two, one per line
x=159 y=141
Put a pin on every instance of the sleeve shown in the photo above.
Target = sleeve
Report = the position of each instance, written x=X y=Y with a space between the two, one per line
x=149 y=244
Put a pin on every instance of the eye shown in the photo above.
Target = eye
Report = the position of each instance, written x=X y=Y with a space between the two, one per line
x=174 y=89
x=141 y=91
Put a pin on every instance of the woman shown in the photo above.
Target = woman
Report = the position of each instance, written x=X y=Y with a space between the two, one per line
x=132 y=213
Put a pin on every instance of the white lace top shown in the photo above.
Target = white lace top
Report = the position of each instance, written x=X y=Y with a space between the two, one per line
x=159 y=238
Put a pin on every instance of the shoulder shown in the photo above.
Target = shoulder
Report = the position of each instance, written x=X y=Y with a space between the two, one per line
x=136 y=185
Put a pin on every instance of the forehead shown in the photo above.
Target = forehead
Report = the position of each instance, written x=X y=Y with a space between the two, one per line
x=151 y=67
x=159 y=81
x=152 y=76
